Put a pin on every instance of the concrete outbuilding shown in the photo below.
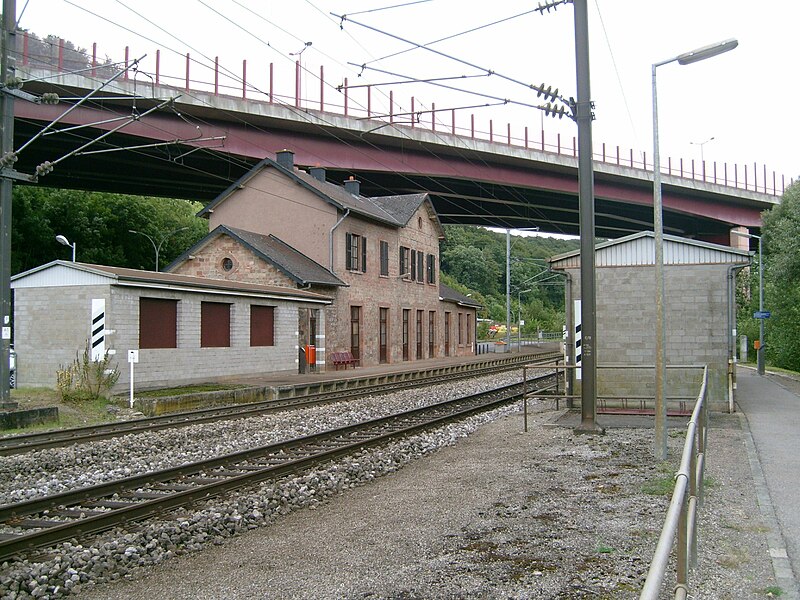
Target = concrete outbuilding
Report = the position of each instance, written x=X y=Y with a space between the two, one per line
x=700 y=318
x=185 y=329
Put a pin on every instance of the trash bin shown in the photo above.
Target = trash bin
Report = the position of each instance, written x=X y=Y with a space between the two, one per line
x=311 y=357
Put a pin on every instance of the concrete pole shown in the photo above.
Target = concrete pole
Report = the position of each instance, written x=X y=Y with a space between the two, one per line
x=583 y=110
x=660 y=443
x=7 y=42
x=508 y=290
x=760 y=353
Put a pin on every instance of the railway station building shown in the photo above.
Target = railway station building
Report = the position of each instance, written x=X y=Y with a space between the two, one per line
x=376 y=257
x=700 y=304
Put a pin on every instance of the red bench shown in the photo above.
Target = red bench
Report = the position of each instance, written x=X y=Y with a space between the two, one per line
x=344 y=359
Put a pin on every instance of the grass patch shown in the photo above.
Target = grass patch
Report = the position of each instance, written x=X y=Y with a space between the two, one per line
x=70 y=414
x=772 y=591
x=663 y=483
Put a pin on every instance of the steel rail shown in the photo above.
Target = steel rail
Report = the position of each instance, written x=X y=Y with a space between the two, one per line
x=681 y=518
x=62 y=437
x=218 y=475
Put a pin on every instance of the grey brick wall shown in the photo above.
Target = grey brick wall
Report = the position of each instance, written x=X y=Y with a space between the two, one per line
x=696 y=321
x=52 y=327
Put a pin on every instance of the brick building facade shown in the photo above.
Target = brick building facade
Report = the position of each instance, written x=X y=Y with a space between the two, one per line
x=378 y=258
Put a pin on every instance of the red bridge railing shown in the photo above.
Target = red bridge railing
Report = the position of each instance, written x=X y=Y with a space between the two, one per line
x=358 y=101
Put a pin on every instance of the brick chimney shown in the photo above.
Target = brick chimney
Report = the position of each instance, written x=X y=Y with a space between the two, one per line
x=285 y=158
x=353 y=186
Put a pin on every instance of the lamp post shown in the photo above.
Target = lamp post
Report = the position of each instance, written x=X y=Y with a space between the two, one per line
x=65 y=242
x=701 y=144
x=687 y=58
x=760 y=351
x=157 y=248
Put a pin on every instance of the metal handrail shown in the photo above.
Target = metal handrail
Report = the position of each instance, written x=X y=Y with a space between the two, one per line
x=682 y=513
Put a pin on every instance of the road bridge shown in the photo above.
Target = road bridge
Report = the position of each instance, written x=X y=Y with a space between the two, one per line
x=209 y=139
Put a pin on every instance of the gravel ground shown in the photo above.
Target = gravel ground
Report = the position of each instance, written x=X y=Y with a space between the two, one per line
x=495 y=514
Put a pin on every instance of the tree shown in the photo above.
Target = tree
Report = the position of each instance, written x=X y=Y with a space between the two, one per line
x=781 y=239
x=99 y=224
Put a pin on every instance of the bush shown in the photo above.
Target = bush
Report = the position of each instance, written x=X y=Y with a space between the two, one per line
x=85 y=380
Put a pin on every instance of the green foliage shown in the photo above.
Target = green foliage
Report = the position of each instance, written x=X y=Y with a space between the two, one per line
x=99 y=224
x=781 y=238
x=476 y=258
x=86 y=380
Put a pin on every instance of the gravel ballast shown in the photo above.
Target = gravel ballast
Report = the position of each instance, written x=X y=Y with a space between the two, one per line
x=495 y=514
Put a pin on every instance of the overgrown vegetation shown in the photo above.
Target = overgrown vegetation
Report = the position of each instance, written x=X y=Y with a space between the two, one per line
x=99 y=224
x=781 y=257
x=473 y=261
x=86 y=380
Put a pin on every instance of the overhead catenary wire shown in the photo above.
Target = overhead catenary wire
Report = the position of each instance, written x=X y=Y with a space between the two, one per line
x=301 y=113
x=538 y=89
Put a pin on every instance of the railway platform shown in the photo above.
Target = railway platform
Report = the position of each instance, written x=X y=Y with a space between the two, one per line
x=287 y=378
x=771 y=407
x=289 y=384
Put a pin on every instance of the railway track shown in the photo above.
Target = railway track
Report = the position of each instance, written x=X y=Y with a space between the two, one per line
x=46 y=521
x=63 y=437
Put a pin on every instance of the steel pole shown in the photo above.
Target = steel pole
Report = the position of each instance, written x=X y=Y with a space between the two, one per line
x=508 y=290
x=7 y=42
x=583 y=116
x=660 y=444
x=760 y=353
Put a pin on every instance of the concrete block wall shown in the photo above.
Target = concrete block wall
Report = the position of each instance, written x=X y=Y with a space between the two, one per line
x=697 y=307
x=51 y=327
x=190 y=363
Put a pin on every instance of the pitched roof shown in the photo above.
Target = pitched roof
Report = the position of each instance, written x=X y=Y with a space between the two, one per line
x=448 y=294
x=390 y=210
x=95 y=274
x=287 y=259
x=638 y=249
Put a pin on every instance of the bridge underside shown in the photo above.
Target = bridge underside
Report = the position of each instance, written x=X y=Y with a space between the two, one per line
x=487 y=190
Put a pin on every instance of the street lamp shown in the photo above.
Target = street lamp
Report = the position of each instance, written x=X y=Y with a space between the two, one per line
x=157 y=248
x=687 y=58
x=760 y=351
x=65 y=242
x=701 y=144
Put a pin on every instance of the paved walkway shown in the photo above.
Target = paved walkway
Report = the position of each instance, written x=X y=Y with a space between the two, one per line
x=771 y=405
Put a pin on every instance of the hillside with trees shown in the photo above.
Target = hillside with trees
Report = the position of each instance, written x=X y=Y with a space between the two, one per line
x=474 y=261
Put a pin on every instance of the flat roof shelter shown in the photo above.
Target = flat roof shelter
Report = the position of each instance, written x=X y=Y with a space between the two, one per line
x=186 y=329
x=700 y=318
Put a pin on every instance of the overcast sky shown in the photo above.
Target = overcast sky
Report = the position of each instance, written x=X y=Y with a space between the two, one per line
x=746 y=100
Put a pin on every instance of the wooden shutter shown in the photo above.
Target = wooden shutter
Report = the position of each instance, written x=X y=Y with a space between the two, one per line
x=348 y=253
x=262 y=325
x=158 y=323
x=215 y=325
x=363 y=254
